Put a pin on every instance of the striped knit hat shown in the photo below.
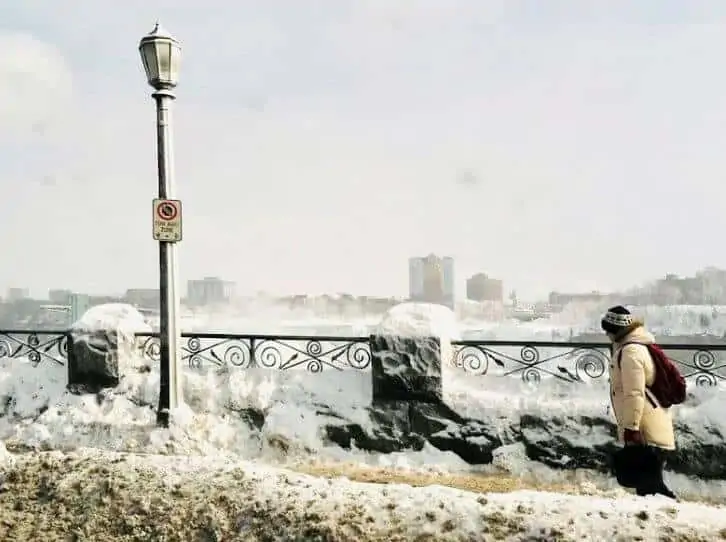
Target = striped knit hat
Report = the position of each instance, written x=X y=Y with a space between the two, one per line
x=616 y=319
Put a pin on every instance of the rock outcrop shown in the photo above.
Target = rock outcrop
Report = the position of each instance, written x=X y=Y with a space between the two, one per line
x=572 y=442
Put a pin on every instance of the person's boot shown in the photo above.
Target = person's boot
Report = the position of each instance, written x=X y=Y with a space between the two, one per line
x=666 y=492
x=660 y=489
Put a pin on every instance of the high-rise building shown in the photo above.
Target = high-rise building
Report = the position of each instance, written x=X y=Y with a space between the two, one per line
x=481 y=287
x=431 y=280
x=209 y=291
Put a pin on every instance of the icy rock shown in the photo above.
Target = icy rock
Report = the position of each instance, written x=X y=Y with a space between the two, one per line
x=407 y=425
x=407 y=349
x=103 y=346
x=406 y=369
x=388 y=431
x=559 y=442
x=577 y=442
x=474 y=441
x=422 y=320
x=701 y=452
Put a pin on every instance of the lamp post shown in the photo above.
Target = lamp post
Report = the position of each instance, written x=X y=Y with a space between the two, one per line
x=161 y=55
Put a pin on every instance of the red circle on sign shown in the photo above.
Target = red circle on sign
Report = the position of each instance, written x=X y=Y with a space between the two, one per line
x=166 y=211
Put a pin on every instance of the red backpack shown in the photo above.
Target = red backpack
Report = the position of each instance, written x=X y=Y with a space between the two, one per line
x=669 y=386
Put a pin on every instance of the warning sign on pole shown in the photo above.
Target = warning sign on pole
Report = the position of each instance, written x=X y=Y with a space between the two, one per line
x=167 y=220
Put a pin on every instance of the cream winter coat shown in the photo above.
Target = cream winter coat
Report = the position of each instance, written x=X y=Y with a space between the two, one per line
x=635 y=407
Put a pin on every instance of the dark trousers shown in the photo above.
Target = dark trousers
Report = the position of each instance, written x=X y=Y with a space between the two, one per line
x=641 y=468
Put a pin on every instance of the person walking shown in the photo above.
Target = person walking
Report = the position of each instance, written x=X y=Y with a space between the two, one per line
x=645 y=426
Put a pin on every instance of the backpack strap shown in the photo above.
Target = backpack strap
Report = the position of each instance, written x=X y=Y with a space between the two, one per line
x=648 y=394
x=620 y=354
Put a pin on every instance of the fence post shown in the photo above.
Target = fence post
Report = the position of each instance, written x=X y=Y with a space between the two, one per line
x=70 y=360
x=98 y=358
x=406 y=369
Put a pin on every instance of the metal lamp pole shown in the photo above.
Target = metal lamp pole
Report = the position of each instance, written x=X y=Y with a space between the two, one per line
x=161 y=55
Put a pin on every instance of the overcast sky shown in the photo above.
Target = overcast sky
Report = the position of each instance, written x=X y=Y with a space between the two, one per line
x=563 y=145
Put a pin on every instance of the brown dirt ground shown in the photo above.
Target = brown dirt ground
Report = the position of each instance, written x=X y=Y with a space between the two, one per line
x=478 y=483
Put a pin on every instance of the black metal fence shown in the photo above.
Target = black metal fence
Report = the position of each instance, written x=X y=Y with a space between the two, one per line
x=38 y=347
x=281 y=352
x=532 y=361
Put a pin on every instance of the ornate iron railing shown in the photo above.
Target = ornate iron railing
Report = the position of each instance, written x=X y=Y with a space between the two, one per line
x=36 y=346
x=283 y=352
x=702 y=364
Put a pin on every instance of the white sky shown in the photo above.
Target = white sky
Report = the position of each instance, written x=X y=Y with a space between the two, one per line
x=563 y=145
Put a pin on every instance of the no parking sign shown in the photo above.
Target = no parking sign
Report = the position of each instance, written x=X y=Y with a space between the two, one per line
x=167 y=217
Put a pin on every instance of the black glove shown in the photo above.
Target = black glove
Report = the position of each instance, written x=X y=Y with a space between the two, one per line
x=633 y=437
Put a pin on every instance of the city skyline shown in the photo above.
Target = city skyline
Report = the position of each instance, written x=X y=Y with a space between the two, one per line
x=570 y=149
x=432 y=278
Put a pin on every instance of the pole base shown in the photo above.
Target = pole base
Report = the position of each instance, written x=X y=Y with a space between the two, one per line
x=162 y=418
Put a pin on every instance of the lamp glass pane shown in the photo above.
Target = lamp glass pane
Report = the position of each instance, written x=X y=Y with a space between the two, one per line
x=151 y=60
x=175 y=61
x=164 y=56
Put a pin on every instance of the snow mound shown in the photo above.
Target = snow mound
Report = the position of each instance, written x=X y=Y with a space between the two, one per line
x=422 y=320
x=280 y=416
x=121 y=317
x=145 y=497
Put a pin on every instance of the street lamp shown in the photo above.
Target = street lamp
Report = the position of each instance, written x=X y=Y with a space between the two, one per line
x=161 y=55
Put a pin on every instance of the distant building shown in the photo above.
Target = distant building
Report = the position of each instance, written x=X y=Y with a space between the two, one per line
x=142 y=297
x=480 y=287
x=713 y=285
x=557 y=299
x=17 y=294
x=60 y=296
x=209 y=291
x=707 y=287
x=431 y=280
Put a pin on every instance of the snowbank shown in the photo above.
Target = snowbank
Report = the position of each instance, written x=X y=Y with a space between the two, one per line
x=175 y=498
x=285 y=416
x=282 y=416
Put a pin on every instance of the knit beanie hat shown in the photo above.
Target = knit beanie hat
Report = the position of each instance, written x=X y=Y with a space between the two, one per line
x=616 y=319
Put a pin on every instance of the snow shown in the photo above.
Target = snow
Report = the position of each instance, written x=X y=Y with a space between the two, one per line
x=110 y=323
x=261 y=317
x=437 y=509
x=125 y=419
x=208 y=433
x=394 y=511
x=420 y=320
x=119 y=317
